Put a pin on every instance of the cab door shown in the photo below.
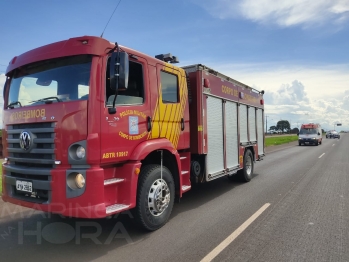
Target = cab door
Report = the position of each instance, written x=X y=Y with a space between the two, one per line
x=171 y=115
x=123 y=131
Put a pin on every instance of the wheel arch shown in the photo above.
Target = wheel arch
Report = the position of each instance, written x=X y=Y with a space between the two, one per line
x=251 y=148
x=149 y=152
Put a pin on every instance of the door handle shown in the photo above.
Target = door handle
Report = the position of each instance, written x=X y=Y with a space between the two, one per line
x=148 y=123
x=182 y=124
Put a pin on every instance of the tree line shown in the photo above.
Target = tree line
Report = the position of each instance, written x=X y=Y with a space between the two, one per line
x=284 y=126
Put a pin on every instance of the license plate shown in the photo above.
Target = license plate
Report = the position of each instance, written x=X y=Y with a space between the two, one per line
x=24 y=186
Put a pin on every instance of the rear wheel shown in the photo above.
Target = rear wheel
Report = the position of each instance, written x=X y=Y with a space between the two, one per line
x=155 y=197
x=246 y=173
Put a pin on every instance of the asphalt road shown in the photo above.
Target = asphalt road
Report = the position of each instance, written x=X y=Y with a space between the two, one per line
x=304 y=192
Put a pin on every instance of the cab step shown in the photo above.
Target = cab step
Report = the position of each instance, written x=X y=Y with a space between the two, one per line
x=185 y=188
x=116 y=208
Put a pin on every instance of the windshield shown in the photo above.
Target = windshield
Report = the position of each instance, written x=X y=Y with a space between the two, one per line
x=307 y=131
x=56 y=80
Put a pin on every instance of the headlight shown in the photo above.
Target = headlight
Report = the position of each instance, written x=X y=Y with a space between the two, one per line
x=76 y=180
x=300 y=138
x=80 y=181
x=80 y=152
x=314 y=137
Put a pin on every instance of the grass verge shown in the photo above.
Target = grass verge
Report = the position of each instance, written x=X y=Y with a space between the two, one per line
x=273 y=141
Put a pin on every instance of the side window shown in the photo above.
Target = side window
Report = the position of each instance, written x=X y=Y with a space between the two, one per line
x=169 y=88
x=134 y=94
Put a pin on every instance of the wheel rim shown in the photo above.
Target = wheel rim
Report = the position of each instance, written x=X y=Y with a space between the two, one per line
x=248 y=165
x=159 y=197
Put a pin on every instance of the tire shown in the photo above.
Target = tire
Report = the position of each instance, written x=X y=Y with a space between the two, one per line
x=149 y=214
x=246 y=173
x=299 y=143
x=317 y=143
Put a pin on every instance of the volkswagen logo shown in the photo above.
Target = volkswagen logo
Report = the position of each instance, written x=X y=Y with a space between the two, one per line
x=25 y=140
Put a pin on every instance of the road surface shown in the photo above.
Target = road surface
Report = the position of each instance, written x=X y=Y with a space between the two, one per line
x=296 y=208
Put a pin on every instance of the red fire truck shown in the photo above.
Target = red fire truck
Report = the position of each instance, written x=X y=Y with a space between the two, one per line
x=91 y=129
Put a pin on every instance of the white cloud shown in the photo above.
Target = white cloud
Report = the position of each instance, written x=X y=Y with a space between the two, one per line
x=284 y=13
x=330 y=81
x=289 y=94
x=297 y=93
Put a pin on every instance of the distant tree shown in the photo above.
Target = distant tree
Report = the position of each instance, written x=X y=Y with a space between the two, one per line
x=283 y=125
x=272 y=128
x=295 y=130
x=323 y=131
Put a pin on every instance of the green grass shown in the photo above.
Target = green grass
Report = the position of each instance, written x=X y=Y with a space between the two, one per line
x=273 y=141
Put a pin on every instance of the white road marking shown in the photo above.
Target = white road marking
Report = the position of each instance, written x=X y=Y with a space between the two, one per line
x=215 y=252
x=321 y=155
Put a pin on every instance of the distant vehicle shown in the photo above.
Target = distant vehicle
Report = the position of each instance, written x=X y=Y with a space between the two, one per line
x=310 y=134
x=335 y=134
x=329 y=134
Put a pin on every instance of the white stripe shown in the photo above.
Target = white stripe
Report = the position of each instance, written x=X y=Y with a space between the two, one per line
x=215 y=252
x=321 y=155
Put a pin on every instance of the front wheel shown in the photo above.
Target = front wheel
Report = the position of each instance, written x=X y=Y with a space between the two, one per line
x=247 y=172
x=155 y=197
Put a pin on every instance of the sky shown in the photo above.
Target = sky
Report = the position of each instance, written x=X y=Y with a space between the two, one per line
x=294 y=50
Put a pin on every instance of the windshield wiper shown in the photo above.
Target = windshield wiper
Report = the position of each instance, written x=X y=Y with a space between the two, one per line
x=47 y=100
x=11 y=105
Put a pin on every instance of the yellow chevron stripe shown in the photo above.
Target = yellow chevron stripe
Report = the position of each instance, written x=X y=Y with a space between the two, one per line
x=167 y=119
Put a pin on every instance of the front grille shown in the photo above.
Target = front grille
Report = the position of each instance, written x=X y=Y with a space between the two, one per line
x=33 y=164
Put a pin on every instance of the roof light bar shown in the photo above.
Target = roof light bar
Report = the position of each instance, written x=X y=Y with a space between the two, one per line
x=167 y=58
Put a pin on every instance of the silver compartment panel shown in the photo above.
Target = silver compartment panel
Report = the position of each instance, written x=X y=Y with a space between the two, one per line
x=214 y=135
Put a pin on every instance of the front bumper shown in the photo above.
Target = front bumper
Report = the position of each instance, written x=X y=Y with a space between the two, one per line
x=94 y=201
x=308 y=141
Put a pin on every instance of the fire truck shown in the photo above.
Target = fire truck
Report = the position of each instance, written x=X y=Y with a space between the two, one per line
x=91 y=129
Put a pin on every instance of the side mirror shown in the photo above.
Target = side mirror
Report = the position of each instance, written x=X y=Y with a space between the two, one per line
x=119 y=71
x=318 y=133
x=297 y=134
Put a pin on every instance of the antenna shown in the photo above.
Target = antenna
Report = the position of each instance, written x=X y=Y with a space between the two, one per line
x=110 y=18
